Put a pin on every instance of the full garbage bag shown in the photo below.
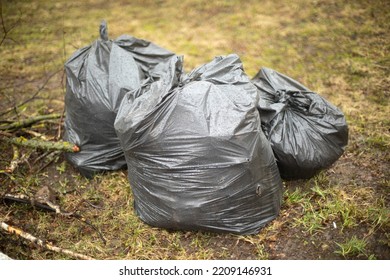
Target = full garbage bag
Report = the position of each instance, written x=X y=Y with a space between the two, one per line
x=307 y=133
x=98 y=76
x=197 y=157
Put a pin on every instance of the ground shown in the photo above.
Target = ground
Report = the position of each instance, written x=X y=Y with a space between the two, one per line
x=339 y=49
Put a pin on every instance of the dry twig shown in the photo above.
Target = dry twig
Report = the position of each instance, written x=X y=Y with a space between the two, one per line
x=35 y=240
x=8 y=198
x=14 y=108
x=50 y=206
x=4 y=29
x=15 y=160
x=36 y=134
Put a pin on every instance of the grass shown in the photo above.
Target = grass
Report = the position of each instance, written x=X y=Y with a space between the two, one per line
x=331 y=206
x=339 y=49
x=353 y=247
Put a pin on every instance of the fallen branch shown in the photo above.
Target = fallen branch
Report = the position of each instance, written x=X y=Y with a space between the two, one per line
x=35 y=240
x=36 y=134
x=51 y=157
x=15 y=160
x=7 y=134
x=8 y=198
x=12 y=178
x=49 y=206
x=5 y=30
x=59 y=132
x=28 y=122
x=44 y=155
x=44 y=145
x=14 y=108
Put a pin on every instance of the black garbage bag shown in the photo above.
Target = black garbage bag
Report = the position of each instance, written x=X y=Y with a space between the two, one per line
x=306 y=132
x=98 y=76
x=197 y=157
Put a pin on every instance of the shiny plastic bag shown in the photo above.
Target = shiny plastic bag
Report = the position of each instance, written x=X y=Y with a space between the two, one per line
x=197 y=157
x=98 y=76
x=306 y=132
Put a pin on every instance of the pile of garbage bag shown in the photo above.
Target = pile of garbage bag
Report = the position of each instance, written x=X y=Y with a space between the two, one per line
x=205 y=150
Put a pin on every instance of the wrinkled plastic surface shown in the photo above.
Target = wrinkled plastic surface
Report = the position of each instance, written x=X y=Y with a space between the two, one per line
x=307 y=133
x=197 y=157
x=98 y=76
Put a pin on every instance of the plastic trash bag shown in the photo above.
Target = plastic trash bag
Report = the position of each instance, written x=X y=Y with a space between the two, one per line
x=307 y=133
x=197 y=157
x=98 y=76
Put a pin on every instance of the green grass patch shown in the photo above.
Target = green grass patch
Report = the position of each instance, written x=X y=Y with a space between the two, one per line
x=353 y=247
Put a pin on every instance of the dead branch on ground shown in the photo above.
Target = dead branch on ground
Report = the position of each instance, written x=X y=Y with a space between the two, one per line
x=23 y=199
x=4 y=29
x=50 y=206
x=44 y=145
x=16 y=159
x=36 y=134
x=28 y=122
x=35 y=94
x=41 y=243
